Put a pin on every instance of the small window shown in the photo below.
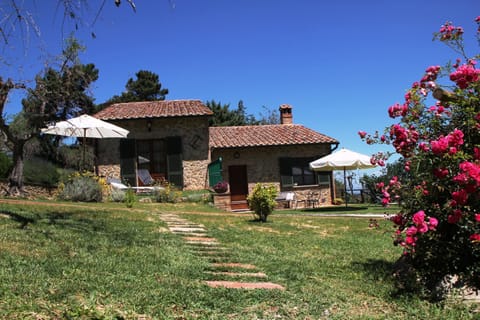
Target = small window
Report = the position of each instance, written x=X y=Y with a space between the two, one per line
x=296 y=172
x=323 y=179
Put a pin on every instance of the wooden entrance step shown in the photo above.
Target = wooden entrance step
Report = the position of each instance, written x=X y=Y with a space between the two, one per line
x=239 y=205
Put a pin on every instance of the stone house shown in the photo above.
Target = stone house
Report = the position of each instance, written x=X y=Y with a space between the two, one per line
x=173 y=141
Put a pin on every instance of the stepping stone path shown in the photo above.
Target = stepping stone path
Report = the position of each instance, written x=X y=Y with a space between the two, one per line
x=196 y=236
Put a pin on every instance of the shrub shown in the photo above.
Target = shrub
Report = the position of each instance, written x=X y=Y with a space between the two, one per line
x=439 y=222
x=338 y=201
x=169 y=194
x=203 y=196
x=117 y=195
x=130 y=197
x=39 y=171
x=5 y=165
x=83 y=187
x=262 y=200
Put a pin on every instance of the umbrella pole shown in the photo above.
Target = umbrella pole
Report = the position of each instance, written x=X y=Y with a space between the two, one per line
x=345 y=186
x=84 y=145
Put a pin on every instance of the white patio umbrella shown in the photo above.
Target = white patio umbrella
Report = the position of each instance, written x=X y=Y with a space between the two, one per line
x=86 y=126
x=342 y=160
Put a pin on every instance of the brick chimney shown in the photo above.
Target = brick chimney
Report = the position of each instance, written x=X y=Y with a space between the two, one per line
x=286 y=114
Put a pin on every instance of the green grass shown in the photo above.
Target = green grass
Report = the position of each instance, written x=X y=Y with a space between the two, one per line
x=342 y=209
x=105 y=261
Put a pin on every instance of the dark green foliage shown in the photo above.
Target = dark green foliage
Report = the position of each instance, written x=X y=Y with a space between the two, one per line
x=68 y=156
x=5 y=165
x=58 y=94
x=81 y=188
x=146 y=87
x=39 y=171
x=224 y=116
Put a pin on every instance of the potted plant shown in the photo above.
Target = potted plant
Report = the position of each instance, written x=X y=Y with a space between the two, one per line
x=220 y=187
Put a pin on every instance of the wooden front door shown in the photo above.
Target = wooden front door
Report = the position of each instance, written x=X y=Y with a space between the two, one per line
x=238 y=187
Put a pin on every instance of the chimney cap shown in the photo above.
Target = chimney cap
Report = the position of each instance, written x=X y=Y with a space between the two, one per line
x=286 y=114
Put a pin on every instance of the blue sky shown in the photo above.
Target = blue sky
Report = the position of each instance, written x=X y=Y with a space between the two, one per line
x=340 y=64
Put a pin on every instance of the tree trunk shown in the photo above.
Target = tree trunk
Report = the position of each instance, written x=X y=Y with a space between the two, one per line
x=15 y=179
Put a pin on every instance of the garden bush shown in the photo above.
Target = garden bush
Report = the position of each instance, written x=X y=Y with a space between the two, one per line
x=41 y=172
x=5 y=165
x=439 y=223
x=262 y=200
x=169 y=194
x=117 y=195
x=84 y=187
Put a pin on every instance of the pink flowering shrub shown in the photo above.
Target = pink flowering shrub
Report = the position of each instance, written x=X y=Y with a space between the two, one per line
x=439 y=222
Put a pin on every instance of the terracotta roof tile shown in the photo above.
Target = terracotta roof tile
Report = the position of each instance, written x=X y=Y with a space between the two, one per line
x=154 y=109
x=265 y=135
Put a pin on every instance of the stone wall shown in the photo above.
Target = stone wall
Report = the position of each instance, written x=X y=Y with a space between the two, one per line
x=263 y=165
x=34 y=192
x=195 y=150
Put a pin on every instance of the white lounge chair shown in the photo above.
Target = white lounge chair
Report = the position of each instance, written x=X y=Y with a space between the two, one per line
x=145 y=177
x=117 y=184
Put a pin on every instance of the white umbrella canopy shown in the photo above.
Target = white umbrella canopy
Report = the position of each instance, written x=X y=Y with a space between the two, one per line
x=342 y=160
x=86 y=126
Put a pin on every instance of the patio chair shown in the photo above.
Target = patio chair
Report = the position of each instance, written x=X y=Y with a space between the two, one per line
x=299 y=197
x=313 y=199
x=144 y=177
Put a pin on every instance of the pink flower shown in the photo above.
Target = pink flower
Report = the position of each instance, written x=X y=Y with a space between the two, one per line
x=423 y=146
x=432 y=223
x=409 y=240
x=455 y=138
x=362 y=134
x=460 y=196
x=423 y=228
x=476 y=152
x=440 y=173
x=455 y=217
x=419 y=217
x=465 y=75
x=411 y=231
x=452 y=151
x=475 y=237
x=477 y=217
x=398 y=219
x=439 y=146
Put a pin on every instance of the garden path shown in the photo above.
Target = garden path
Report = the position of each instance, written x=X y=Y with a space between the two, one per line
x=223 y=270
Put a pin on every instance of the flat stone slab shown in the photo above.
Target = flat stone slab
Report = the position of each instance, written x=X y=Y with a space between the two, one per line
x=185 y=225
x=191 y=234
x=183 y=229
x=200 y=239
x=244 y=285
x=204 y=243
x=234 y=265
x=239 y=274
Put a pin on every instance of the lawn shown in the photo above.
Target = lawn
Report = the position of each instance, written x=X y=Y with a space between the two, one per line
x=109 y=262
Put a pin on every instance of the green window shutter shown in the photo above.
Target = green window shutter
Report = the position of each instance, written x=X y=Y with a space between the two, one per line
x=286 y=177
x=175 y=170
x=174 y=161
x=215 y=172
x=128 y=161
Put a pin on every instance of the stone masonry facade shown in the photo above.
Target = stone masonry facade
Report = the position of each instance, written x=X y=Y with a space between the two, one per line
x=194 y=136
x=263 y=165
